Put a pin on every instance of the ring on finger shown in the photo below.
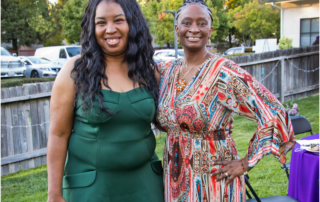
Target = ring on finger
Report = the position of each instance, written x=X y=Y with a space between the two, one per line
x=226 y=174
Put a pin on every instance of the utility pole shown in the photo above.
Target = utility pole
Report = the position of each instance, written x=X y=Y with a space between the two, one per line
x=174 y=13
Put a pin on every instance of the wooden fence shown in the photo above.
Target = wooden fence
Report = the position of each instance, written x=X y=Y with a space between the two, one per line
x=24 y=126
x=288 y=74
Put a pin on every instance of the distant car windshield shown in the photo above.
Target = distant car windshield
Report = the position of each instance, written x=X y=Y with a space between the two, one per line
x=72 y=51
x=156 y=58
x=181 y=52
x=46 y=59
x=5 y=52
x=38 y=61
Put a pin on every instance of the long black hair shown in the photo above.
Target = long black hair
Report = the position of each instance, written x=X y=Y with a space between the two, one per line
x=90 y=68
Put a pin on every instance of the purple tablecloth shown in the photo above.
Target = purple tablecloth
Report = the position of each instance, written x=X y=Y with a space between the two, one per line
x=304 y=174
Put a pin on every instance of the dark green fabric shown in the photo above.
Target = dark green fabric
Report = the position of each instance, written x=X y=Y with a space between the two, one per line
x=112 y=158
x=79 y=180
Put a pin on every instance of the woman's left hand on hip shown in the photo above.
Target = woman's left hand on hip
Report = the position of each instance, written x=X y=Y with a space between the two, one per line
x=228 y=170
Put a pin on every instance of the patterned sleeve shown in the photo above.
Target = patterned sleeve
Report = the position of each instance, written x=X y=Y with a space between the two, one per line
x=163 y=67
x=244 y=95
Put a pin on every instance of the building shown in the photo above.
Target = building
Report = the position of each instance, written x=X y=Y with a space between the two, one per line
x=299 y=20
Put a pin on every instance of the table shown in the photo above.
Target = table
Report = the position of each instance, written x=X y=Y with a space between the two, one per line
x=304 y=174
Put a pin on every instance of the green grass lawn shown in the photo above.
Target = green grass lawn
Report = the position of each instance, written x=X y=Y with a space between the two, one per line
x=267 y=178
x=13 y=82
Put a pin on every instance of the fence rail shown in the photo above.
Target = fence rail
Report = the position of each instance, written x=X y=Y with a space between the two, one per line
x=24 y=126
x=288 y=74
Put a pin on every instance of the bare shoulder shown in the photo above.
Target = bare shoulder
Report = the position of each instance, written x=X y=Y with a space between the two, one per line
x=62 y=101
x=64 y=77
x=64 y=84
x=67 y=68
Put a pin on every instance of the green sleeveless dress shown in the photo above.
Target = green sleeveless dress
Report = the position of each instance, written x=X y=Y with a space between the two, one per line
x=112 y=158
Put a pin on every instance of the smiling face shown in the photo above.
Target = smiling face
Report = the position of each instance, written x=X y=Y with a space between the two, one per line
x=194 y=27
x=111 y=28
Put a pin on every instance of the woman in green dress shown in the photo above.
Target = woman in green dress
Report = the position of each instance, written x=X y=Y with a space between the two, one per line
x=101 y=146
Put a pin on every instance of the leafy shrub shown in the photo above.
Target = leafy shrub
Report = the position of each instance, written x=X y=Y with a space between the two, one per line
x=285 y=43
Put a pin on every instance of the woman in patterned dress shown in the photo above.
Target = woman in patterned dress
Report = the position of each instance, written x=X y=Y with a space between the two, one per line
x=198 y=95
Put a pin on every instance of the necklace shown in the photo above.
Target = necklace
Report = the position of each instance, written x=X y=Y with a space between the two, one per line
x=181 y=83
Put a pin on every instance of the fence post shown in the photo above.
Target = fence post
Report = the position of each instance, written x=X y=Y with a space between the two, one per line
x=282 y=82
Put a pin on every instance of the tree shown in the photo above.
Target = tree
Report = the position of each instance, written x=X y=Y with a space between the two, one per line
x=32 y=4
x=230 y=5
x=45 y=20
x=62 y=2
x=255 y=21
x=15 y=26
x=71 y=18
x=162 y=24
x=219 y=12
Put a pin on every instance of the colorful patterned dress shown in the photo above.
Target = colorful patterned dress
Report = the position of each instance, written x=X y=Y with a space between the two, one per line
x=197 y=122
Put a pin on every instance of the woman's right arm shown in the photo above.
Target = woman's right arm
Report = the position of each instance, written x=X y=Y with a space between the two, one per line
x=61 y=123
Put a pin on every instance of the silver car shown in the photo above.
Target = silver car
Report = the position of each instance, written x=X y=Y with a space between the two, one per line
x=237 y=50
x=168 y=54
x=11 y=66
x=37 y=67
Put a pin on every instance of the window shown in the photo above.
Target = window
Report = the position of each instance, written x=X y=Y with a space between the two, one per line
x=5 y=52
x=309 y=30
x=26 y=62
x=230 y=52
x=73 y=51
x=171 y=54
x=181 y=53
x=38 y=60
x=163 y=54
x=62 y=53
x=238 y=50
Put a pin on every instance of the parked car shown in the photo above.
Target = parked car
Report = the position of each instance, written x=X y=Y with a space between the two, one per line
x=237 y=50
x=11 y=66
x=58 y=54
x=168 y=54
x=37 y=67
x=157 y=59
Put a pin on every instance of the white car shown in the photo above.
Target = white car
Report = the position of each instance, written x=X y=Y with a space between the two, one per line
x=58 y=54
x=37 y=67
x=11 y=66
x=237 y=50
x=168 y=54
